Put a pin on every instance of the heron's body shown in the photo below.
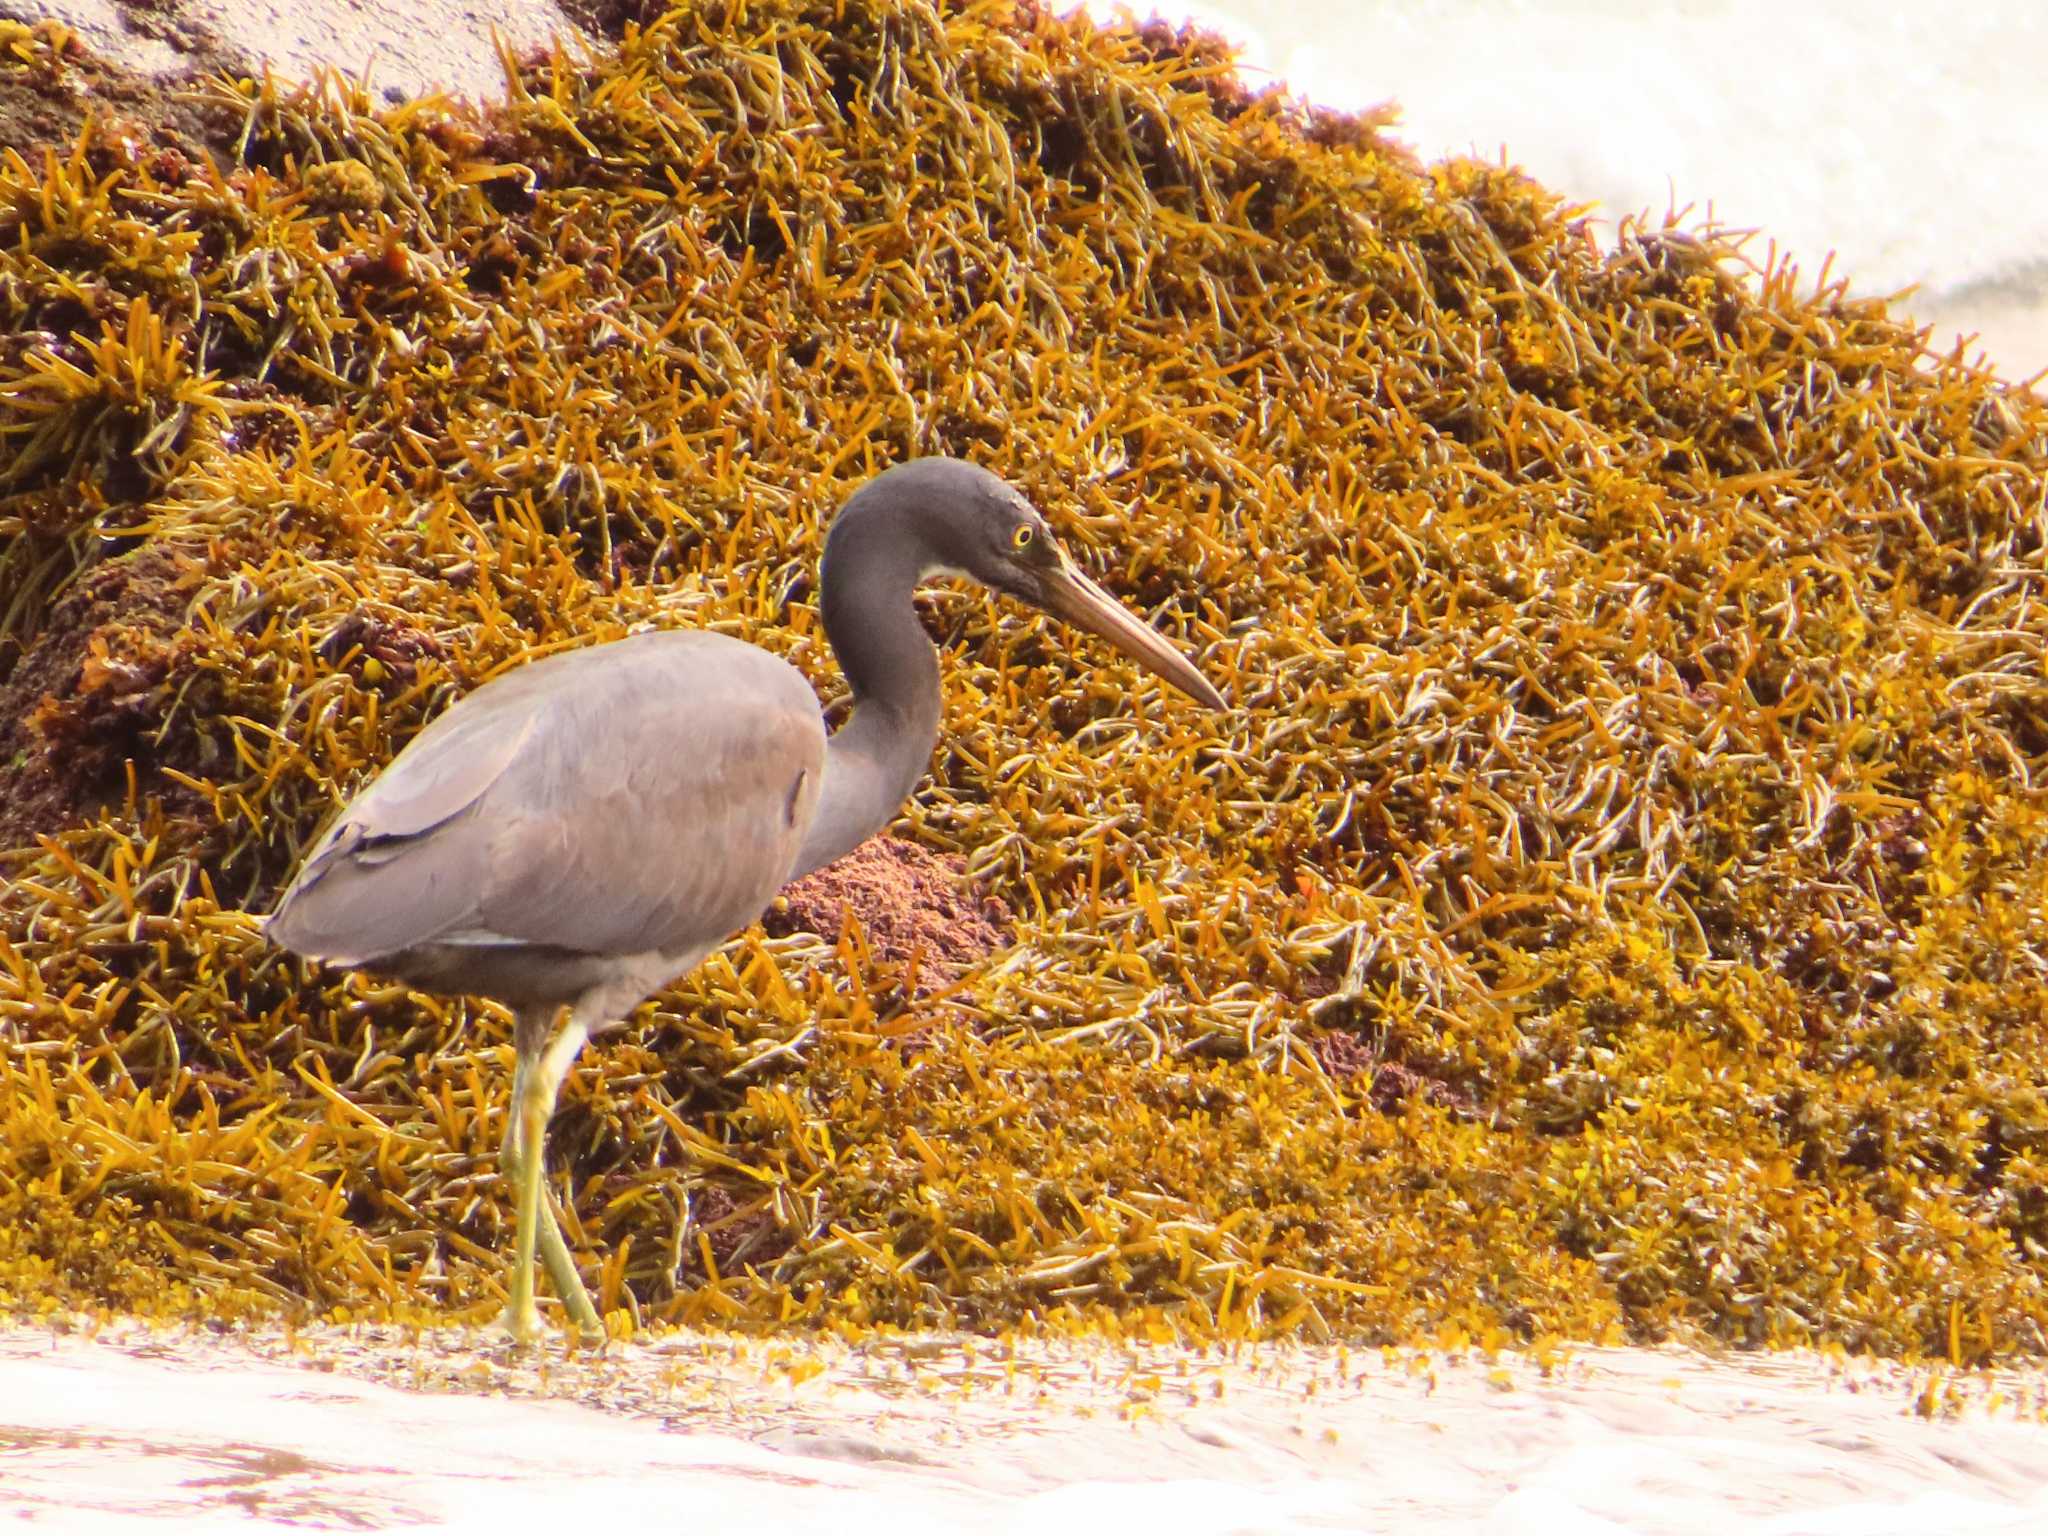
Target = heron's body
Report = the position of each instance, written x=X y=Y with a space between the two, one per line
x=580 y=831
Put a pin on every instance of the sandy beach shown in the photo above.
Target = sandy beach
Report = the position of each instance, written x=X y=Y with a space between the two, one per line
x=371 y=1429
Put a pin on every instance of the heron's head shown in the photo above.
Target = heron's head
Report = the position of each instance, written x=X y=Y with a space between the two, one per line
x=972 y=523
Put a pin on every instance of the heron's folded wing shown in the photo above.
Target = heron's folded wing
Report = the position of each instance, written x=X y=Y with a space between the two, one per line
x=647 y=795
x=349 y=900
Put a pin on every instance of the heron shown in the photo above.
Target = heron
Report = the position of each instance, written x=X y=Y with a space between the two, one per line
x=576 y=833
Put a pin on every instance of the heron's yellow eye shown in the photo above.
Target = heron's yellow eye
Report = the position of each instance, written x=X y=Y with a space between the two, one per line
x=1023 y=536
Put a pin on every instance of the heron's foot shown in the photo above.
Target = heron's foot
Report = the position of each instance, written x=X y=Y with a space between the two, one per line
x=522 y=1318
x=522 y=1323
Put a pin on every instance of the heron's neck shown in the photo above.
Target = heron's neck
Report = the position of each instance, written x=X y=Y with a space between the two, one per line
x=874 y=760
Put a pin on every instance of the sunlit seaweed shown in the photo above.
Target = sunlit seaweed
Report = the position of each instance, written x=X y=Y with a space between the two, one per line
x=1616 y=908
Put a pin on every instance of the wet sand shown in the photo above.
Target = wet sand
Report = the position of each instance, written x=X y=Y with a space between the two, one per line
x=375 y=1429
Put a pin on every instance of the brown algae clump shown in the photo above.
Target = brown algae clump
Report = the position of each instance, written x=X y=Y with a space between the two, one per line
x=1617 y=906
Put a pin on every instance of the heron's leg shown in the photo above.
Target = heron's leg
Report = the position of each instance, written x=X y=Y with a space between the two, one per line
x=552 y=1068
x=555 y=1257
x=523 y=1151
x=522 y=1141
x=535 y=1085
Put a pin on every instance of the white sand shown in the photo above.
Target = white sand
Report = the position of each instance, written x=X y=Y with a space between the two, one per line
x=348 y=1429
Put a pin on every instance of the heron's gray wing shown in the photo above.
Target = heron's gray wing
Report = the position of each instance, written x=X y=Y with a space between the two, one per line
x=339 y=907
x=644 y=796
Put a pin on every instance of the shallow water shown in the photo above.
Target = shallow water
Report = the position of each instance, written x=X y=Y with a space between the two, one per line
x=351 y=1430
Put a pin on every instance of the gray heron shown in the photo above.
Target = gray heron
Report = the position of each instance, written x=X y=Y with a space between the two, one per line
x=576 y=833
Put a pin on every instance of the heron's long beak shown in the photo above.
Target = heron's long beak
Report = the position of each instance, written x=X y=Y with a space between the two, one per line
x=1069 y=595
